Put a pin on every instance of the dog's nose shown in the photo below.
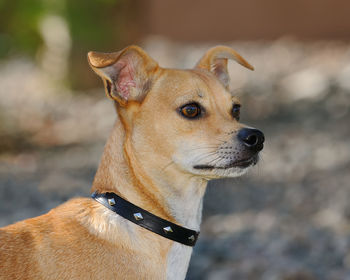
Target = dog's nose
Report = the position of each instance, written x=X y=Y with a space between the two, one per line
x=252 y=138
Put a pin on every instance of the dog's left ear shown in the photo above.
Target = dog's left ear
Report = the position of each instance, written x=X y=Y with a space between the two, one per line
x=215 y=61
x=127 y=75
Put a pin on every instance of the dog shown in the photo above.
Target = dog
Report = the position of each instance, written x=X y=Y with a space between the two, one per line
x=175 y=131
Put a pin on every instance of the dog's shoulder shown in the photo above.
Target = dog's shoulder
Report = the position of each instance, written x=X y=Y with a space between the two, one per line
x=26 y=232
x=44 y=233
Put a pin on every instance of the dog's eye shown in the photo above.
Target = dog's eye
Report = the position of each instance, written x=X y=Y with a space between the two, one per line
x=236 y=110
x=190 y=111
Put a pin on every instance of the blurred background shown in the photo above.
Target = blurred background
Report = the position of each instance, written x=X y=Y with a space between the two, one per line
x=290 y=217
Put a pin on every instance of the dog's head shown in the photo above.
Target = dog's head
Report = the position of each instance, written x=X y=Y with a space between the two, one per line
x=180 y=119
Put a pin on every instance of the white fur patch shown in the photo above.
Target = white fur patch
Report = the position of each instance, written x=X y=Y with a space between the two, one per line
x=178 y=261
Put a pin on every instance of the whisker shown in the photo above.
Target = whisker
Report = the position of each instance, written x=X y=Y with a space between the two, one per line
x=203 y=148
x=203 y=156
x=166 y=166
x=215 y=160
x=221 y=140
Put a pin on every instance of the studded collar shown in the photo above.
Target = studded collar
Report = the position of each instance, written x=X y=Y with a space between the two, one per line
x=146 y=219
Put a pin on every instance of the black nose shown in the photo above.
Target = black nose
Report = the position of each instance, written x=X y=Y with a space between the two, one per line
x=252 y=138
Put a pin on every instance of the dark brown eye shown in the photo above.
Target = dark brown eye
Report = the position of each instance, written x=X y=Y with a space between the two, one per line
x=236 y=110
x=190 y=111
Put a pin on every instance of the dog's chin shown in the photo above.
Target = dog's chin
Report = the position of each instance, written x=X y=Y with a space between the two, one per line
x=230 y=170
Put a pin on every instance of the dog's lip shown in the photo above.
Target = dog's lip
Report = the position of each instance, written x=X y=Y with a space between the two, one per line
x=243 y=163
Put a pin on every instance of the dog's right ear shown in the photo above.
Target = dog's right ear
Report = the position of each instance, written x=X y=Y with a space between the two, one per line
x=127 y=75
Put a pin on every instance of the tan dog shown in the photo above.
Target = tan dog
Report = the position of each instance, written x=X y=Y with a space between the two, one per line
x=176 y=129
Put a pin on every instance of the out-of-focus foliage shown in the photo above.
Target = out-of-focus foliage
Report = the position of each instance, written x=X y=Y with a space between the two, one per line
x=19 y=26
x=92 y=25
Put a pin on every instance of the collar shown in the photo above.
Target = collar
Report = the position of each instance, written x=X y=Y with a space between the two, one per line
x=146 y=219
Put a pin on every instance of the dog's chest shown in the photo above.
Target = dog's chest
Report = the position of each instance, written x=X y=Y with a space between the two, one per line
x=178 y=261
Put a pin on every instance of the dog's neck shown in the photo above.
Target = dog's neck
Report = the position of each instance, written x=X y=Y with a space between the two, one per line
x=167 y=193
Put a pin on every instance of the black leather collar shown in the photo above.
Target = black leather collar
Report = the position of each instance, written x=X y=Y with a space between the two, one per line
x=146 y=219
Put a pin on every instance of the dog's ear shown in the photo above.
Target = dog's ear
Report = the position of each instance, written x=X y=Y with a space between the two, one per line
x=127 y=75
x=215 y=61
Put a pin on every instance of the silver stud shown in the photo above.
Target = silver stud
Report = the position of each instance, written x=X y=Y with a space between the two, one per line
x=138 y=216
x=168 y=229
x=111 y=201
x=191 y=238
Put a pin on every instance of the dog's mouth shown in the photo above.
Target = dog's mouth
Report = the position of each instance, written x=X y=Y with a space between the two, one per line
x=243 y=163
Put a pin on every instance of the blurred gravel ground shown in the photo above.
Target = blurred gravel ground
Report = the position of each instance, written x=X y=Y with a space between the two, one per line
x=287 y=219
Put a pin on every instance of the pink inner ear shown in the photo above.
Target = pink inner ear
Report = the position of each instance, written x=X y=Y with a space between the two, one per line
x=125 y=79
x=219 y=68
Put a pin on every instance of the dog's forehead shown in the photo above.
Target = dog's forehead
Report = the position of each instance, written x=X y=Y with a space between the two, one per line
x=191 y=84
